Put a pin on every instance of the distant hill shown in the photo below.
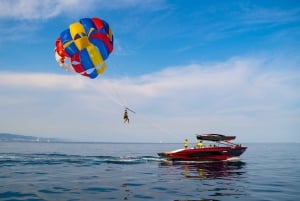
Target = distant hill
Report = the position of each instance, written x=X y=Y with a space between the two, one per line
x=25 y=138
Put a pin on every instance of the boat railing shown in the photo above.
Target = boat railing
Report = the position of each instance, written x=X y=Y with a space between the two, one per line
x=219 y=144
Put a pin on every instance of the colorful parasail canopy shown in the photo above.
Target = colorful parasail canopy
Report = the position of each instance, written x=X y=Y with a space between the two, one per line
x=84 y=46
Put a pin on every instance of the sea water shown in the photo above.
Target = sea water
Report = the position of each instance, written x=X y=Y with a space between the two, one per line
x=116 y=171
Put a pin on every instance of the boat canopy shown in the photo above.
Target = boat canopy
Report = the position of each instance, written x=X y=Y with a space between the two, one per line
x=215 y=137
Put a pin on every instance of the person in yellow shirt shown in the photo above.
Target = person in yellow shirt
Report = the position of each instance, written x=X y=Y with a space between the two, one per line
x=186 y=143
x=200 y=144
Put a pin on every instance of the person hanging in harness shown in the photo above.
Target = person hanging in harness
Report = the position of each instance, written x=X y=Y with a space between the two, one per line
x=125 y=116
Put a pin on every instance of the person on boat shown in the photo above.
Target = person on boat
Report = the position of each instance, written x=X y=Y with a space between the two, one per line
x=186 y=143
x=200 y=144
x=125 y=116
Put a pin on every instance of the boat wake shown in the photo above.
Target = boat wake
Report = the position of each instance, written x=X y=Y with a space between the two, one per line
x=233 y=159
x=12 y=159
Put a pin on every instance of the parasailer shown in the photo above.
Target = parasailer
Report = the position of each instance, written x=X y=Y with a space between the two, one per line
x=84 y=46
x=125 y=116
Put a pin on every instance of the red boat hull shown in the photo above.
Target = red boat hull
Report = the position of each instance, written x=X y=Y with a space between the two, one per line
x=204 y=154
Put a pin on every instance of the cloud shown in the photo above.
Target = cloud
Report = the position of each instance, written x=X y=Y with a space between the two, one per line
x=271 y=16
x=240 y=96
x=32 y=17
x=36 y=10
x=39 y=81
x=31 y=9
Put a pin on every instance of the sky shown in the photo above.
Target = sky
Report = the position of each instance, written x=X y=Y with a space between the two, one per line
x=185 y=68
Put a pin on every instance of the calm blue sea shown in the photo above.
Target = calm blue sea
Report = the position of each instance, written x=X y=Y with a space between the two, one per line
x=97 y=171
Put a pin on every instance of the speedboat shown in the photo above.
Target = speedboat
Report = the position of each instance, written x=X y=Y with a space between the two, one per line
x=219 y=149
